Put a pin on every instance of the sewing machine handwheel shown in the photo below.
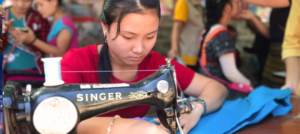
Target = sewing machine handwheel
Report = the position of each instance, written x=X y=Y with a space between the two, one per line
x=9 y=121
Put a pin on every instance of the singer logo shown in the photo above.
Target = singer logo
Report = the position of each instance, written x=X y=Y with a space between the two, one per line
x=101 y=96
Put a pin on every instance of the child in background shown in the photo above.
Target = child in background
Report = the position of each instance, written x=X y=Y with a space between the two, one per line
x=217 y=52
x=63 y=35
x=21 y=60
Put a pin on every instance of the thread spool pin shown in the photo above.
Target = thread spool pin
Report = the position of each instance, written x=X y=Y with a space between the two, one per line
x=28 y=89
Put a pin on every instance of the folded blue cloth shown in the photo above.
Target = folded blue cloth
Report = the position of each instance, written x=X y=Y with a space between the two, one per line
x=236 y=114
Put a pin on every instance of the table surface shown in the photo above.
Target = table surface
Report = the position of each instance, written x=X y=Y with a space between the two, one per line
x=286 y=124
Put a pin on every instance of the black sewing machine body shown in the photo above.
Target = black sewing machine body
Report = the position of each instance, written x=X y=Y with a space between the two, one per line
x=72 y=103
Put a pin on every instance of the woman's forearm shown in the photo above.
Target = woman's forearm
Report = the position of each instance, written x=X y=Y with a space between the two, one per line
x=211 y=91
x=230 y=70
x=214 y=94
x=177 y=27
x=99 y=125
x=269 y=3
x=292 y=71
x=48 y=49
x=261 y=27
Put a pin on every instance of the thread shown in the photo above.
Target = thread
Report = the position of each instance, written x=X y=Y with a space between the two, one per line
x=52 y=71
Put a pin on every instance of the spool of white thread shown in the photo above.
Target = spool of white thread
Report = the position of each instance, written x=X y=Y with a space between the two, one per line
x=52 y=71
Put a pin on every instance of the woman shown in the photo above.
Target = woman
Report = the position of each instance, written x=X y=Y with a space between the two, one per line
x=62 y=36
x=130 y=28
x=218 y=52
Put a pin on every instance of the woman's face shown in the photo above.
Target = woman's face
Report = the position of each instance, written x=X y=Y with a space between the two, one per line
x=46 y=8
x=21 y=6
x=138 y=33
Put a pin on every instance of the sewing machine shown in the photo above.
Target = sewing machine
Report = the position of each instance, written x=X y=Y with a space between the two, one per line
x=59 y=109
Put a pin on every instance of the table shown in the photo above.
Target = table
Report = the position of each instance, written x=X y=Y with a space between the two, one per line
x=286 y=124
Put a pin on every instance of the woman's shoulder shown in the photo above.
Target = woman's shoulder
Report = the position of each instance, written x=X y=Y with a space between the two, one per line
x=156 y=57
x=221 y=37
x=66 y=20
x=156 y=54
x=152 y=61
x=88 y=53
x=224 y=33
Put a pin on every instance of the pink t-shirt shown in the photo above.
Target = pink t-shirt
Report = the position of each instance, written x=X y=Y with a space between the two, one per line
x=63 y=23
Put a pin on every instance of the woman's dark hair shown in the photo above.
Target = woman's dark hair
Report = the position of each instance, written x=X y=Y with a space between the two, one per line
x=213 y=14
x=233 y=30
x=60 y=2
x=115 y=11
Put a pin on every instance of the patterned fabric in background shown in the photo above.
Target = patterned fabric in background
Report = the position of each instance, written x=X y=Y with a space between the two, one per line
x=1 y=57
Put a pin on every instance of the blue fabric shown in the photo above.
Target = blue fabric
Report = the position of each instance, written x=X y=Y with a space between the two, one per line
x=18 y=56
x=58 y=26
x=236 y=114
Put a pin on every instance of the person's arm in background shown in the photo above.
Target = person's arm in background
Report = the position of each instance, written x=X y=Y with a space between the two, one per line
x=230 y=70
x=291 y=48
x=269 y=3
x=292 y=73
x=176 y=30
x=180 y=18
x=6 y=26
x=261 y=28
x=63 y=41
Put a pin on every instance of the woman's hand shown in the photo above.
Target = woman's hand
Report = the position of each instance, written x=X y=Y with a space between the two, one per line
x=292 y=86
x=245 y=14
x=173 y=53
x=189 y=121
x=292 y=74
x=7 y=26
x=24 y=37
